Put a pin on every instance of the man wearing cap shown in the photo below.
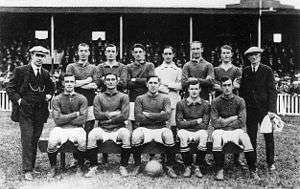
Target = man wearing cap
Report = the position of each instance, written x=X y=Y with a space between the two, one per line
x=258 y=90
x=30 y=89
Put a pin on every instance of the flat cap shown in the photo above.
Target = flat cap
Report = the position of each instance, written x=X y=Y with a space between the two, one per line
x=253 y=50
x=39 y=49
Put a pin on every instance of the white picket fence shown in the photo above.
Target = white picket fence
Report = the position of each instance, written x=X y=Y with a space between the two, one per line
x=286 y=104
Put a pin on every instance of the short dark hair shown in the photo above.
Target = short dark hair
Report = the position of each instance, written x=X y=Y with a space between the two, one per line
x=196 y=42
x=168 y=47
x=152 y=76
x=138 y=45
x=68 y=75
x=224 y=79
x=110 y=73
x=83 y=45
x=193 y=83
x=110 y=45
x=228 y=47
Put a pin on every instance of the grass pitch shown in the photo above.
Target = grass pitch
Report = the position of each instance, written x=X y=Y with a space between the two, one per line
x=287 y=159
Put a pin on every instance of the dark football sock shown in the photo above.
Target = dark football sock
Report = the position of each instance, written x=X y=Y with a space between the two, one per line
x=125 y=154
x=187 y=158
x=52 y=158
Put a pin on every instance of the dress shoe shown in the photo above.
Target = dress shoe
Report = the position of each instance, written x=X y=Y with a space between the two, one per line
x=187 y=172
x=123 y=171
x=28 y=176
x=220 y=175
x=272 y=168
x=198 y=172
x=92 y=172
x=254 y=175
x=170 y=172
x=136 y=170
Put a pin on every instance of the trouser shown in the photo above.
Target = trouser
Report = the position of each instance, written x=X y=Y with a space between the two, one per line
x=253 y=119
x=30 y=133
x=142 y=135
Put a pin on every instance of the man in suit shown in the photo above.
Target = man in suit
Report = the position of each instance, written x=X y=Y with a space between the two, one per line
x=30 y=89
x=258 y=90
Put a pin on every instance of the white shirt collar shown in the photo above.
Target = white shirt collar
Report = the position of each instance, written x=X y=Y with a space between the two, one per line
x=111 y=65
x=255 y=67
x=171 y=65
x=34 y=67
x=226 y=66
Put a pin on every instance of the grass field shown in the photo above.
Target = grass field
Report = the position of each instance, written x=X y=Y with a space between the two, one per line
x=287 y=158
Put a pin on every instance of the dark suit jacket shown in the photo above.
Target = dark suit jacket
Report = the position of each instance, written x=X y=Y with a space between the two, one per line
x=19 y=85
x=258 y=89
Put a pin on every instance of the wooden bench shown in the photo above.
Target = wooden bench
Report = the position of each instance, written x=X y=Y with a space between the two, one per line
x=110 y=147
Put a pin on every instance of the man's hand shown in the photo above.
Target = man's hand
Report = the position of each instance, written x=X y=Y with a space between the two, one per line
x=114 y=113
x=48 y=97
x=271 y=115
x=146 y=114
x=236 y=83
x=26 y=108
x=90 y=86
x=209 y=77
x=19 y=101
x=217 y=86
x=192 y=79
x=199 y=120
x=89 y=79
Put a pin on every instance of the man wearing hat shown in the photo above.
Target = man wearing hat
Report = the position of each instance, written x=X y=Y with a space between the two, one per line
x=30 y=90
x=258 y=90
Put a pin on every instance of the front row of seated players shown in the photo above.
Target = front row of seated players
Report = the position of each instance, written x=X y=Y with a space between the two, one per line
x=152 y=110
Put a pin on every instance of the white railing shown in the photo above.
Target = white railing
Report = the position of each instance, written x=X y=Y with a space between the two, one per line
x=5 y=103
x=286 y=104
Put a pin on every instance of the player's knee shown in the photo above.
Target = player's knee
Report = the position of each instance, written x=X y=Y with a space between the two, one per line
x=124 y=134
x=137 y=137
x=182 y=136
x=217 y=134
x=95 y=134
x=203 y=135
x=167 y=136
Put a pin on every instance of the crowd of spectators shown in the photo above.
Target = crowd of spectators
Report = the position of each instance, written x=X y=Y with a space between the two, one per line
x=281 y=58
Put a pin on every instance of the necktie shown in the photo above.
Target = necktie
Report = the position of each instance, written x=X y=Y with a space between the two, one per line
x=38 y=72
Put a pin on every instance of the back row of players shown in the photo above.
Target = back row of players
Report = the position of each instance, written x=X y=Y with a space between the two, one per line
x=154 y=104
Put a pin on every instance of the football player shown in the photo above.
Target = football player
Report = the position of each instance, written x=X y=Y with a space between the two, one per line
x=228 y=116
x=69 y=114
x=192 y=118
x=151 y=111
x=111 y=108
